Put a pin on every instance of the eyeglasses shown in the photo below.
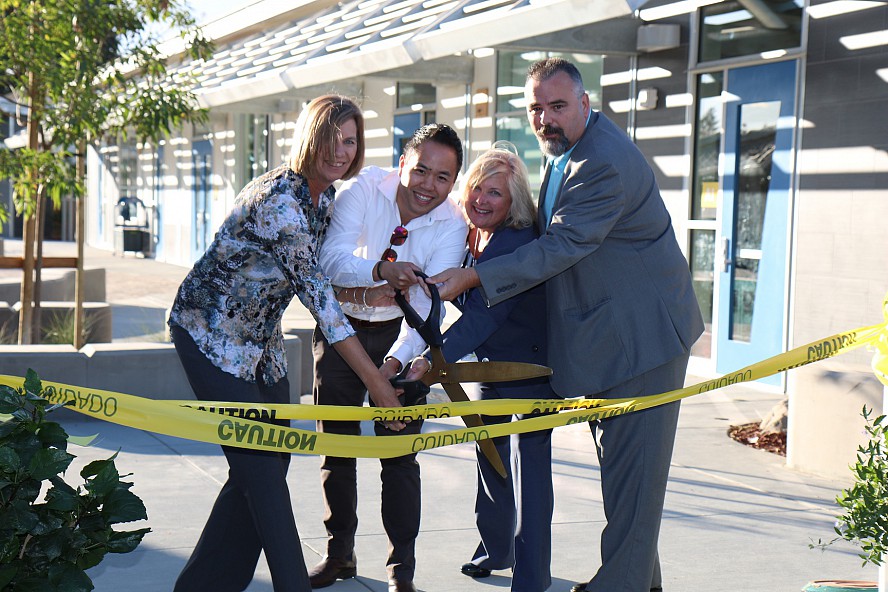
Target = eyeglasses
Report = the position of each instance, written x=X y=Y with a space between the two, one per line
x=399 y=235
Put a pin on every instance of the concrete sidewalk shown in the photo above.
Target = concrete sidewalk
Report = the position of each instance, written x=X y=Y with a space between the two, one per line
x=736 y=519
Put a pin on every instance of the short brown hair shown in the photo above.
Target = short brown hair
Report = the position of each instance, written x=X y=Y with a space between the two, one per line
x=316 y=131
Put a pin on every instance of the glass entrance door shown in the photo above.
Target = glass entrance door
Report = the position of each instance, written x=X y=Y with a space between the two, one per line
x=202 y=232
x=752 y=258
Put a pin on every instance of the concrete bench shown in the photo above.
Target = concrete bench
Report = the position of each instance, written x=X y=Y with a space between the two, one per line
x=150 y=370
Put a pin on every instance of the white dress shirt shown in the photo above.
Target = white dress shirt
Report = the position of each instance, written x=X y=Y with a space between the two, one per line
x=364 y=215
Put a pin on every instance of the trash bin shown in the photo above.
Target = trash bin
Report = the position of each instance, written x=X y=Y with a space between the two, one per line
x=131 y=233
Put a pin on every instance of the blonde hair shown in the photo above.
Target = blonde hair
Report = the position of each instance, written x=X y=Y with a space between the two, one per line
x=317 y=130
x=503 y=158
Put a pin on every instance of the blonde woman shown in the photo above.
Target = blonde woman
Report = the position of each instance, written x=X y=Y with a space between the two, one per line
x=513 y=515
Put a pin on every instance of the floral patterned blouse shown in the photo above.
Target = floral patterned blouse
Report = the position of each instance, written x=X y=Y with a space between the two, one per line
x=266 y=251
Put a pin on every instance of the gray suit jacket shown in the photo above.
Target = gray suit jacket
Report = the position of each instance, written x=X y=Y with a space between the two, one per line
x=620 y=299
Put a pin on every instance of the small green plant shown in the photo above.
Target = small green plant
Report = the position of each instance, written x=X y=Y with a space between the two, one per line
x=47 y=541
x=864 y=520
x=60 y=328
x=8 y=333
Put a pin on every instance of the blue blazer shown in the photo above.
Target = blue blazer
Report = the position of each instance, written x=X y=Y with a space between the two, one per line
x=513 y=330
x=619 y=290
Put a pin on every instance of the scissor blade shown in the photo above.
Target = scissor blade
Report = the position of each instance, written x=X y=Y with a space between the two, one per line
x=488 y=448
x=489 y=372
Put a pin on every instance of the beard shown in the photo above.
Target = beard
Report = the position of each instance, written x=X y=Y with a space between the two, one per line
x=552 y=147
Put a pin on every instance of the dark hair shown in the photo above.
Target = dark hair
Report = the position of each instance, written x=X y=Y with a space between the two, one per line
x=316 y=131
x=437 y=132
x=545 y=69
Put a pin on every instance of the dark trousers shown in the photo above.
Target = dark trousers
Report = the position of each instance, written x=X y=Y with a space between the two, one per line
x=253 y=511
x=634 y=453
x=514 y=515
x=336 y=384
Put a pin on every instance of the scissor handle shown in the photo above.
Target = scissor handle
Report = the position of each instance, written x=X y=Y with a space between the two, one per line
x=430 y=328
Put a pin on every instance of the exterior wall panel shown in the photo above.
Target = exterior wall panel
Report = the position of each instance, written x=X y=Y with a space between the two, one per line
x=841 y=260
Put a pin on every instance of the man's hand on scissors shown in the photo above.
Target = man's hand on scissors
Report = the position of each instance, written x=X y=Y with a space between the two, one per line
x=454 y=281
x=399 y=274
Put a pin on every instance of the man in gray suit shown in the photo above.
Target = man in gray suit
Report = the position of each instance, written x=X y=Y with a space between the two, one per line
x=621 y=309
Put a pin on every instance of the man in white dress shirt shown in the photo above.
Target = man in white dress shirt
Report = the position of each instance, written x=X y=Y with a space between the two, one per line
x=385 y=225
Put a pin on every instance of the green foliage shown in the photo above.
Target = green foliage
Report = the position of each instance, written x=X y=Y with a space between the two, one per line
x=60 y=328
x=865 y=503
x=46 y=542
x=83 y=69
x=864 y=520
x=29 y=170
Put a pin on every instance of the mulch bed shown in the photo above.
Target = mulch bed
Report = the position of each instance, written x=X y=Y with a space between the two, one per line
x=749 y=434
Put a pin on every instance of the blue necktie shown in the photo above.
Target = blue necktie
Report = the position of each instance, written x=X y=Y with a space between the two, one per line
x=553 y=187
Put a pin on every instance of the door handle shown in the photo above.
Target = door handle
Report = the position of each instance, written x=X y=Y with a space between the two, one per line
x=726 y=254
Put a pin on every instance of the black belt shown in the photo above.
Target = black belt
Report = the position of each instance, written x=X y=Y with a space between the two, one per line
x=362 y=324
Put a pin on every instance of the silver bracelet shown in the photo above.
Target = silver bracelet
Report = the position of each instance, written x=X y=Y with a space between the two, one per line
x=364 y=298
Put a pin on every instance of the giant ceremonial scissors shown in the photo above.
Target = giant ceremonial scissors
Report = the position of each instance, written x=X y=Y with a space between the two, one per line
x=450 y=375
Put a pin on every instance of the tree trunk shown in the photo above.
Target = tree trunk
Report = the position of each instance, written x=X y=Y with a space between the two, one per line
x=80 y=238
x=36 y=315
x=29 y=226
x=27 y=292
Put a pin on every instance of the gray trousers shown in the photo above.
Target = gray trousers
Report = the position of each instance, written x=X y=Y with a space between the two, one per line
x=634 y=453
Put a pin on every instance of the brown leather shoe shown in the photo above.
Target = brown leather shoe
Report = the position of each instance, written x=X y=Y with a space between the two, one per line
x=401 y=586
x=331 y=569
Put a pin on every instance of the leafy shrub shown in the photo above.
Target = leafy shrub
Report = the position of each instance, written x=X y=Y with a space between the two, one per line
x=47 y=541
x=864 y=520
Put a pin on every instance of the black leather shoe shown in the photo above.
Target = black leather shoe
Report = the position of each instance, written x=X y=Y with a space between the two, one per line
x=401 y=586
x=331 y=569
x=581 y=587
x=474 y=571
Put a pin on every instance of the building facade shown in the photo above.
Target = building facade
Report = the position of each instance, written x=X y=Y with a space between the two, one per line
x=763 y=120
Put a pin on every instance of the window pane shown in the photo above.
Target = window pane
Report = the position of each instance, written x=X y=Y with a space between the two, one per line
x=707 y=146
x=511 y=71
x=406 y=125
x=127 y=173
x=702 y=259
x=733 y=29
x=415 y=93
x=257 y=142
x=758 y=130
x=516 y=131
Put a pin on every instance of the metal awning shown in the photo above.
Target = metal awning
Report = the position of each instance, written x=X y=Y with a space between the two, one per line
x=425 y=39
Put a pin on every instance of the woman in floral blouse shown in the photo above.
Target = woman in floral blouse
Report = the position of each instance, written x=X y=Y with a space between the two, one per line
x=225 y=323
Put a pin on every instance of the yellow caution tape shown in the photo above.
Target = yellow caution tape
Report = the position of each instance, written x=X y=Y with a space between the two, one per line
x=880 y=359
x=241 y=425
